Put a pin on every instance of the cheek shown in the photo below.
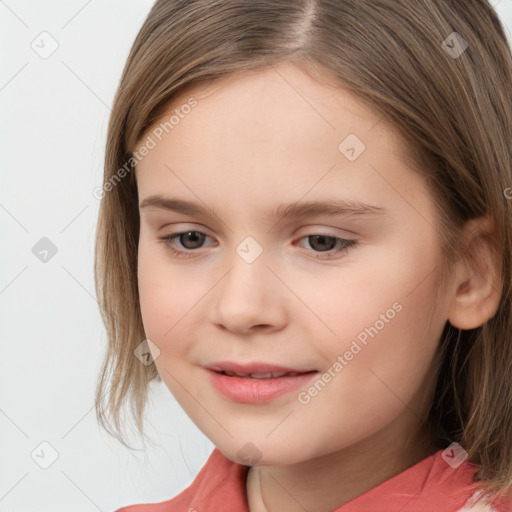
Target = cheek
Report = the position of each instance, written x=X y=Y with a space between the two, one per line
x=379 y=315
x=372 y=282
x=167 y=296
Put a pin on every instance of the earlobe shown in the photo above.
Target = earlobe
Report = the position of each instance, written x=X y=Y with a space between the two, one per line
x=477 y=286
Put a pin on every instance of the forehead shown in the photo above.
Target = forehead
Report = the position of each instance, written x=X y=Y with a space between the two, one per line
x=276 y=97
x=272 y=131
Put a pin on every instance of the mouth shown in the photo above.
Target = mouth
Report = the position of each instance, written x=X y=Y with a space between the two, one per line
x=265 y=375
x=256 y=383
x=256 y=369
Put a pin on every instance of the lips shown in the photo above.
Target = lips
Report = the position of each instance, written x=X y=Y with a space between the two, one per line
x=264 y=375
x=257 y=383
x=257 y=370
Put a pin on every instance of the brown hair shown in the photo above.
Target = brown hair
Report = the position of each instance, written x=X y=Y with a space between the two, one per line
x=454 y=112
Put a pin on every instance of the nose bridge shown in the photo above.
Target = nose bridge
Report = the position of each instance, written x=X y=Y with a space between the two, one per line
x=248 y=295
x=248 y=277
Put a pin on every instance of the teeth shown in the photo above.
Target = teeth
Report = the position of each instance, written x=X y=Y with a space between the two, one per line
x=233 y=374
x=268 y=375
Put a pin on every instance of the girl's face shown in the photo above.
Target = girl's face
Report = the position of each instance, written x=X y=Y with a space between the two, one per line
x=342 y=286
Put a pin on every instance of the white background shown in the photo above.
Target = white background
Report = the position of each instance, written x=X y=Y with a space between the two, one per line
x=53 y=120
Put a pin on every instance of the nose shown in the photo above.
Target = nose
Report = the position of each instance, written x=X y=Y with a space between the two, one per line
x=249 y=298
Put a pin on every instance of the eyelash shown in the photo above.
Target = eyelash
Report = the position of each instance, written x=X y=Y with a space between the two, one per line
x=188 y=253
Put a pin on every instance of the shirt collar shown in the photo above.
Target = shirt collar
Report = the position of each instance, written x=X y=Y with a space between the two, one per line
x=431 y=484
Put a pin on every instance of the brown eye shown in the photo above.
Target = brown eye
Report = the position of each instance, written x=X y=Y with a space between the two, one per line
x=322 y=242
x=328 y=244
x=187 y=245
x=191 y=239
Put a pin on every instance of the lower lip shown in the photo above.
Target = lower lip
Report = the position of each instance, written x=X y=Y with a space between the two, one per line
x=256 y=391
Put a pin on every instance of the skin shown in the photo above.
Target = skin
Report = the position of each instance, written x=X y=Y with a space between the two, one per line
x=251 y=143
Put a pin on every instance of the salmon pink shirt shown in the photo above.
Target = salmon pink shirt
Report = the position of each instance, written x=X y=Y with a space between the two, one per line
x=431 y=485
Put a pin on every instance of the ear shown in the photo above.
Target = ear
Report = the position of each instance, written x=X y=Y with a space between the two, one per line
x=477 y=284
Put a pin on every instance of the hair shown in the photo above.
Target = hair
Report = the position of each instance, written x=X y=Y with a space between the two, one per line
x=455 y=115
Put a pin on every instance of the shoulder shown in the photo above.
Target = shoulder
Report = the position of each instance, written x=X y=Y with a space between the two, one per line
x=220 y=482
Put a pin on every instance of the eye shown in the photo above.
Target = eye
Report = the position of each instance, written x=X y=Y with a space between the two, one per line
x=332 y=245
x=190 y=241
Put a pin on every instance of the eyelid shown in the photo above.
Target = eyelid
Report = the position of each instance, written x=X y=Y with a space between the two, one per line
x=178 y=230
x=347 y=244
x=317 y=229
x=311 y=230
x=320 y=229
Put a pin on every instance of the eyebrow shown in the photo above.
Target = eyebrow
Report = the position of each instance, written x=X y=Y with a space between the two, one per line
x=284 y=211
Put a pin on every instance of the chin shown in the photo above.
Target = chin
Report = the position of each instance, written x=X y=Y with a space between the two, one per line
x=262 y=453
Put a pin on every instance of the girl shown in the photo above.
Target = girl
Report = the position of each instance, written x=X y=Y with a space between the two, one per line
x=305 y=233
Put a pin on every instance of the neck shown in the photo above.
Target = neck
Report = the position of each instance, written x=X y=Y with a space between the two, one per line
x=330 y=481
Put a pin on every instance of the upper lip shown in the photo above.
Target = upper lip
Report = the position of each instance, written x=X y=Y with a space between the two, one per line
x=256 y=367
